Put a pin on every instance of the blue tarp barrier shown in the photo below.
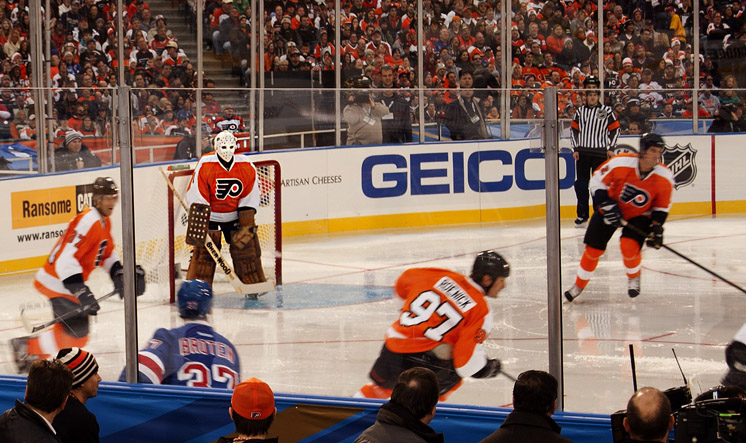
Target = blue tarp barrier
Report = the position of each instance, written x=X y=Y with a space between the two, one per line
x=169 y=414
x=18 y=156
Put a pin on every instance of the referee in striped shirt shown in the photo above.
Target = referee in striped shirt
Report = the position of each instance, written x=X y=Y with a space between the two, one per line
x=594 y=132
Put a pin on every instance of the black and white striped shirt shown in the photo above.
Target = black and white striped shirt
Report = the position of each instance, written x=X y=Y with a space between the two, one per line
x=594 y=129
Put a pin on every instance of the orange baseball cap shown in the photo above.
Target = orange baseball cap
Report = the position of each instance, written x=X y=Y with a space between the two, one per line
x=253 y=399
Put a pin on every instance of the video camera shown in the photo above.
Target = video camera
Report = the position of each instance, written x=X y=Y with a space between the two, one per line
x=717 y=420
x=359 y=82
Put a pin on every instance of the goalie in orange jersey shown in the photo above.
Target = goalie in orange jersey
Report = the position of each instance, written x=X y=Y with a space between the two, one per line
x=226 y=187
x=442 y=325
x=631 y=189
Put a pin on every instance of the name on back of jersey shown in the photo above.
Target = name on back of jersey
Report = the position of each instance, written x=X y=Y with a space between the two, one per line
x=455 y=293
x=190 y=346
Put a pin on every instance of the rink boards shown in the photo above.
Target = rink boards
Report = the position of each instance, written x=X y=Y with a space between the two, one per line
x=170 y=414
x=363 y=188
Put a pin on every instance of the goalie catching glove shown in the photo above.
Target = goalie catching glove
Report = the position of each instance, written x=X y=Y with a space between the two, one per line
x=611 y=213
x=247 y=228
x=490 y=370
x=655 y=239
x=117 y=276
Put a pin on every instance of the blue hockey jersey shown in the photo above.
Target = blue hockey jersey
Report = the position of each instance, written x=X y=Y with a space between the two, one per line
x=191 y=355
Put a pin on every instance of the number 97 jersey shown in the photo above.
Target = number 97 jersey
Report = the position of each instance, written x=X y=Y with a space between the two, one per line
x=441 y=307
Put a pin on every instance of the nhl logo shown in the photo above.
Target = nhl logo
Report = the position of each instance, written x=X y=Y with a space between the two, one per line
x=681 y=161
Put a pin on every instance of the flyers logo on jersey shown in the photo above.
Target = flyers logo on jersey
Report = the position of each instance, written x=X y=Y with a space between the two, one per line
x=228 y=187
x=455 y=293
x=634 y=195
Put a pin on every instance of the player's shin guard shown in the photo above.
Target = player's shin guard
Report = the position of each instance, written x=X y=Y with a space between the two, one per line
x=631 y=256
x=588 y=264
x=632 y=262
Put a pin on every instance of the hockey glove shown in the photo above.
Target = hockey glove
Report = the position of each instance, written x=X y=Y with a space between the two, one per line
x=87 y=300
x=490 y=370
x=247 y=228
x=117 y=276
x=655 y=239
x=242 y=237
x=611 y=213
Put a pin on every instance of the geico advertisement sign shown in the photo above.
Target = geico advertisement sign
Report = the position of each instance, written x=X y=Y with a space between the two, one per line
x=51 y=206
x=394 y=175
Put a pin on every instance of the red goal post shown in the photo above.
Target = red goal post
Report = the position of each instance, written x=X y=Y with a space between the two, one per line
x=268 y=219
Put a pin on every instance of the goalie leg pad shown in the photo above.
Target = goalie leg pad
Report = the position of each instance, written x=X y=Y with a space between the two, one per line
x=202 y=266
x=247 y=262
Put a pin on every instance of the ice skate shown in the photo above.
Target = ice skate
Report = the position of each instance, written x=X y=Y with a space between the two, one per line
x=20 y=354
x=581 y=222
x=573 y=293
x=633 y=287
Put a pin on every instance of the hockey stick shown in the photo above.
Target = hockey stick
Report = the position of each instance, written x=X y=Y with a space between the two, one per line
x=509 y=377
x=62 y=318
x=645 y=235
x=217 y=256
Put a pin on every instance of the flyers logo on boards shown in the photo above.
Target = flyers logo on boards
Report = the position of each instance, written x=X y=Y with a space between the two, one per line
x=681 y=161
x=52 y=206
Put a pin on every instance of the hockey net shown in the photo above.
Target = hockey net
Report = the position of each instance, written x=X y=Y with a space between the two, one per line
x=165 y=254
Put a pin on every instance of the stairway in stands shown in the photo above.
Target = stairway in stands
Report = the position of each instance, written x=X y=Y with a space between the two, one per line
x=173 y=11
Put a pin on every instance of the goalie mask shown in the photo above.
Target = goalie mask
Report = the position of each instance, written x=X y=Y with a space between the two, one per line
x=225 y=145
x=194 y=299
x=489 y=263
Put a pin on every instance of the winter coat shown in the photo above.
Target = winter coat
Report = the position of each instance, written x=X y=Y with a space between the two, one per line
x=22 y=424
x=523 y=426
x=394 y=423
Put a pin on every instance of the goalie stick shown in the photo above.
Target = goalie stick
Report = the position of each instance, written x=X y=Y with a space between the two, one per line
x=214 y=251
x=62 y=318
x=641 y=232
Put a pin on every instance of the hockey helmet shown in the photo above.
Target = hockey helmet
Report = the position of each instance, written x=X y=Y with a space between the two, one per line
x=194 y=299
x=592 y=82
x=225 y=145
x=105 y=186
x=650 y=139
x=489 y=263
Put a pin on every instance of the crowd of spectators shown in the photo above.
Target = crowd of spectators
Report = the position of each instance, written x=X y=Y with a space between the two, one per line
x=648 y=62
x=647 y=50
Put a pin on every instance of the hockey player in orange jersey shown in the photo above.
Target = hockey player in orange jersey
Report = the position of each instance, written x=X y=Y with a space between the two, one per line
x=633 y=189
x=228 y=184
x=86 y=245
x=442 y=325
